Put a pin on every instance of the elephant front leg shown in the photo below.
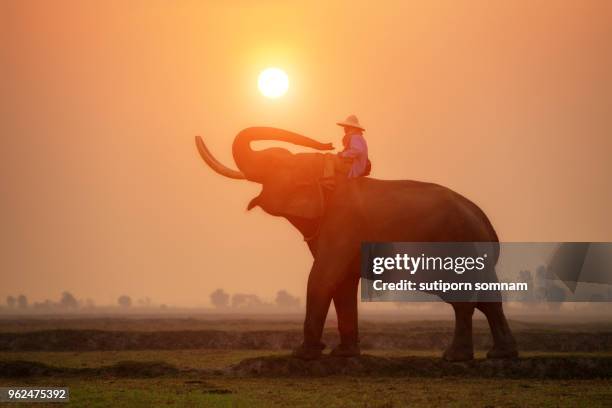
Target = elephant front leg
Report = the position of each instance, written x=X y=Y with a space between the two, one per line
x=345 y=302
x=461 y=348
x=323 y=280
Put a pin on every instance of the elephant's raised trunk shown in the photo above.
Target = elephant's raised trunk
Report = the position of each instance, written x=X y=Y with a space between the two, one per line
x=253 y=164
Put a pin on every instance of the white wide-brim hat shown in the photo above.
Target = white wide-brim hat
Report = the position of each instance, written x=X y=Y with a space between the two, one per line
x=351 y=121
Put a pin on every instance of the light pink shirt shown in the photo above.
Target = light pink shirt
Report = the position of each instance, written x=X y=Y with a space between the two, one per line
x=358 y=151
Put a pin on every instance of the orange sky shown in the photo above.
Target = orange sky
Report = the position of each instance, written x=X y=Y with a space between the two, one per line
x=103 y=193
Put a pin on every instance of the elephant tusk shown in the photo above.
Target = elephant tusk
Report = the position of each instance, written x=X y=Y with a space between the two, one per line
x=214 y=164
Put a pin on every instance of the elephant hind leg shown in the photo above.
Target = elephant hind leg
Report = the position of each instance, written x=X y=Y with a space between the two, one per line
x=504 y=345
x=461 y=348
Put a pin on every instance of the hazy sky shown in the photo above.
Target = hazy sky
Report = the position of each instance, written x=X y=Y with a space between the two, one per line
x=103 y=193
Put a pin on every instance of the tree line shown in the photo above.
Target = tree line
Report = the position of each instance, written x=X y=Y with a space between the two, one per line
x=218 y=298
x=66 y=302
x=223 y=300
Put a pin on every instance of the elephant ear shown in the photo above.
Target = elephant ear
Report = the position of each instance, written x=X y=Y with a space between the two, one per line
x=306 y=201
x=298 y=194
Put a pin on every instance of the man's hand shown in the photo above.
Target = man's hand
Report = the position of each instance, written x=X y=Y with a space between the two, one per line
x=327 y=146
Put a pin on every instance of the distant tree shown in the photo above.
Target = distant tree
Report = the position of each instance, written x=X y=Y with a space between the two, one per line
x=46 y=305
x=68 y=301
x=219 y=299
x=11 y=301
x=89 y=303
x=555 y=295
x=124 y=301
x=246 y=300
x=22 y=302
x=144 y=302
x=286 y=300
x=527 y=277
x=539 y=283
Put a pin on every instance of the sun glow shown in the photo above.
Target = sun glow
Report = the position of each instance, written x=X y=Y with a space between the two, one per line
x=273 y=82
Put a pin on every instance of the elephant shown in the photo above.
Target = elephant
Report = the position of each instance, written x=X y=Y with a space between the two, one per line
x=363 y=209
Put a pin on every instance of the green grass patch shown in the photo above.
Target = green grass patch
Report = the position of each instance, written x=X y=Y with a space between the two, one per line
x=333 y=392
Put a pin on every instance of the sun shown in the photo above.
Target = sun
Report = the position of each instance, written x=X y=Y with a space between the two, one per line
x=273 y=82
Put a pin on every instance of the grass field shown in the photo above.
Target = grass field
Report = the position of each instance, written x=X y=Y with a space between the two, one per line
x=200 y=377
x=341 y=391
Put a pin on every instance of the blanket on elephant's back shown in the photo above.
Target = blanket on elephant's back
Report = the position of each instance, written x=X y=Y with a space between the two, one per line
x=314 y=167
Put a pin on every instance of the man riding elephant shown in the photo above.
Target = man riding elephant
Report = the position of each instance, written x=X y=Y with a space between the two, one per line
x=355 y=147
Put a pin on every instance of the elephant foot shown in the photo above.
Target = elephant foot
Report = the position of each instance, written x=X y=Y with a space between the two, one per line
x=346 y=350
x=458 y=353
x=503 y=352
x=308 y=351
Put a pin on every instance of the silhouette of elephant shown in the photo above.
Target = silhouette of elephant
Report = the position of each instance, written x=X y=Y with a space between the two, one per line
x=359 y=210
